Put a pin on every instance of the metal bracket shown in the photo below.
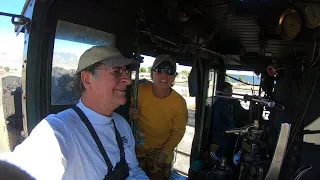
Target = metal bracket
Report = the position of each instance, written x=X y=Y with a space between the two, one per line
x=18 y=20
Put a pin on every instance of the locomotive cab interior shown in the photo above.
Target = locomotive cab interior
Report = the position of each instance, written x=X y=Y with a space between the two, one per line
x=278 y=41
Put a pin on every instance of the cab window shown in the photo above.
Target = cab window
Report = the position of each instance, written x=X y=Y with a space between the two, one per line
x=248 y=77
x=71 y=41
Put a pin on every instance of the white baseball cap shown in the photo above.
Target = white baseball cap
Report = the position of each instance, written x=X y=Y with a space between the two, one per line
x=108 y=55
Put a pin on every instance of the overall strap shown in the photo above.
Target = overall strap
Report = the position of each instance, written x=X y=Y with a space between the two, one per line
x=94 y=135
x=120 y=143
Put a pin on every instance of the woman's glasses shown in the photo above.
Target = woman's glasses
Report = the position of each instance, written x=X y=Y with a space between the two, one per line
x=164 y=71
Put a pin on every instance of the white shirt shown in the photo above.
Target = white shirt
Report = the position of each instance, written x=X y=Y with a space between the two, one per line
x=61 y=147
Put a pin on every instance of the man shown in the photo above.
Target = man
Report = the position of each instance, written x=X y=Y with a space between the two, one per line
x=89 y=141
x=161 y=119
x=223 y=110
x=225 y=116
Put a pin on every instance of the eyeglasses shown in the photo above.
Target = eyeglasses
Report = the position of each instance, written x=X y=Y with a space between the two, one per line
x=164 y=71
x=116 y=71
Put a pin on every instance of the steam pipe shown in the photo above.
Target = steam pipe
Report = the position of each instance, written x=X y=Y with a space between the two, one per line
x=183 y=48
x=266 y=102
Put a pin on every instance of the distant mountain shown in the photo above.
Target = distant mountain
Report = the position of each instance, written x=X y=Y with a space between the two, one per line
x=13 y=61
x=65 y=60
x=60 y=71
x=60 y=59
x=65 y=56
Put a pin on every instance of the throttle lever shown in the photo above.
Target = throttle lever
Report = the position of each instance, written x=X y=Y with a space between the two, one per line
x=242 y=130
x=301 y=171
x=214 y=156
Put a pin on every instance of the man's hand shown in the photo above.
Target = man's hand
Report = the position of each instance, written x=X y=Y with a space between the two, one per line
x=134 y=113
x=160 y=158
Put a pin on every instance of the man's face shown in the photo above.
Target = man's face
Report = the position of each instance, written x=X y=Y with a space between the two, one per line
x=228 y=91
x=108 y=85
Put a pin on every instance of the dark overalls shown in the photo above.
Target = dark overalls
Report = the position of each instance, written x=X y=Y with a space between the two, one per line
x=223 y=119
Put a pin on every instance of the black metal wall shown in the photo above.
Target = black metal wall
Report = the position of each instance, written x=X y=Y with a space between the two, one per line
x=305 y=147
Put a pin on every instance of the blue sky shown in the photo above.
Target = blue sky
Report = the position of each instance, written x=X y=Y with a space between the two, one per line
x=10 y=43
x=13 y=7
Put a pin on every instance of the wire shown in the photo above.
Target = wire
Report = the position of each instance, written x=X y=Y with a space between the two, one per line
x=187 y=48
x=314 y=49
x=301 y=107
x=315 y=62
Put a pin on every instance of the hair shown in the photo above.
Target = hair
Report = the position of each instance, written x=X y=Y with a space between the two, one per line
x=78 y=81
x=225 y=85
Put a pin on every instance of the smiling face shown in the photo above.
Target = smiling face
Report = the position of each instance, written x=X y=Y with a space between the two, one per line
x=107 y=86
x=163 y=75
x=163 y=80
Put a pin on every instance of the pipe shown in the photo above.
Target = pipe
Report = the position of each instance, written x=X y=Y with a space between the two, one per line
x=136 y=82
x=135 y=97
x=194 y=47
x=265 y=102
x=160 y=38
x=23 y=20
x=222 y=56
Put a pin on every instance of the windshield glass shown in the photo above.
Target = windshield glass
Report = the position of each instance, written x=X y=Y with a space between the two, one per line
x=70 y=42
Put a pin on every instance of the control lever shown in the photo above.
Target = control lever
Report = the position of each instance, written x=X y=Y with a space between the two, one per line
x=246 y=97
x=214 y=156
x=244 y=130
x=301 y=171
x=265 y=102
x=220 y=171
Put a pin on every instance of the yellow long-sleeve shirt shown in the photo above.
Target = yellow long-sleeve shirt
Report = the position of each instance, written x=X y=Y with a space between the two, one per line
x=162 y=122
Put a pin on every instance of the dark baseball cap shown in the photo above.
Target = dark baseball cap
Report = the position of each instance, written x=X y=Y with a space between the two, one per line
x=164 y=61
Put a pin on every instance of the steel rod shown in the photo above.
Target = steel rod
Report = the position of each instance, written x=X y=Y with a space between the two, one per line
x=265 y=102
x=194 y=47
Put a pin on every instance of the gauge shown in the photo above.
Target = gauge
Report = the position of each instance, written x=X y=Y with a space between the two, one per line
x=290 y=24
x=312 y=16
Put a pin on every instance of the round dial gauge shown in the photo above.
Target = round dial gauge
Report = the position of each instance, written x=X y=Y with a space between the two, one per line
x=312 y=16
x=290 y=24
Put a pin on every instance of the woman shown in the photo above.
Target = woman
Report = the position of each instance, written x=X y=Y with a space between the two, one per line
x=161 y=119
